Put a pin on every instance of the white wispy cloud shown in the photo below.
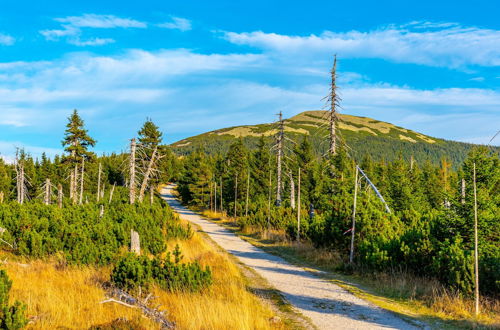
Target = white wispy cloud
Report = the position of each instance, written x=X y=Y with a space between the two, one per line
x=71 y=28
x=177 y=23
x=101 y=22
x=427 y=43
x=6 y=39
x=116 y=93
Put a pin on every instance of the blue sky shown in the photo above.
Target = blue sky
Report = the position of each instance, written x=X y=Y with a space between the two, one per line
x=194 y=66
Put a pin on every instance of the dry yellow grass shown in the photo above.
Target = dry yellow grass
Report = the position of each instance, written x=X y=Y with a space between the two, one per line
x=69 y=297
x=227 y=304
x=64 y=297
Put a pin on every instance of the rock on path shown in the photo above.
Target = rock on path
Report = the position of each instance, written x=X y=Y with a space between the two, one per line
x=327 y=305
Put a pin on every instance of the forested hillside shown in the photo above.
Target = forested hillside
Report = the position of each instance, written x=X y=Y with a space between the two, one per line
x=364 y=136
x=428 y=230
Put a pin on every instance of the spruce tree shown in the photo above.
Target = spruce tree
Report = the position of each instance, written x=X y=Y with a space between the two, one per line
x=76 y=140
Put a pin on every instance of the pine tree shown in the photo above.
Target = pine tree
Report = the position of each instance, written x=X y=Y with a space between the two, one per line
x=76 y=140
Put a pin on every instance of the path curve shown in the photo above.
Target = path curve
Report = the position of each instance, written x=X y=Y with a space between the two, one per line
x=326 y=304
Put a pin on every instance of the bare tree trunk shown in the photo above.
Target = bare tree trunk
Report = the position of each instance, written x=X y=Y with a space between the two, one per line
x=476 y=254
x=1 y=197
x=59 y=195
x=111 y=193
x=21 y=181
x=132 y=172
x=463 y=191
x=235 y=194
x=99 y=183
x=333 y=104
x=248 y=193
x=353 y=229
x=292 y=191
x=147 y=174
x=269 y=200
x=298 y=208
x=135 y=243
x=215 y=196
x=151 y=194
x=82 y=181
x=75 y=185
x=280 y=156
x=221 y=200
x=71 y=183
x=47 y=196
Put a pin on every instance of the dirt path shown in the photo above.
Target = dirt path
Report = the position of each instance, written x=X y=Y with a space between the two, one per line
x=326 y=304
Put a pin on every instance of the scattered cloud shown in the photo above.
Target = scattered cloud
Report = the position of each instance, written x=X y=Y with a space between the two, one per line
x=71 y=28
x=100 y=22
x=6 y=39
x=426 y=43
x=177 y=23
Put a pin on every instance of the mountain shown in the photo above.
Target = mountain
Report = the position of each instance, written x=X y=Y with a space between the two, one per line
x=362 y=135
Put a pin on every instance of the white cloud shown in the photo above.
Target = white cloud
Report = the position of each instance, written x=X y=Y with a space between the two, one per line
x=6 y=39
x=434 y=44
x=177 y=23
x=101 y=21
x=71 y=29
x=91 y=42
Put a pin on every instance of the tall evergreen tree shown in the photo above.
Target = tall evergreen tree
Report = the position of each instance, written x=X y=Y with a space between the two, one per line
x=76 y=140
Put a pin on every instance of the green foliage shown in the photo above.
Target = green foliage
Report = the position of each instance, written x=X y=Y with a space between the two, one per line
x=133 y=271
x=11 y=316
x=76 y=140
x=429 y=231
x=86 y=238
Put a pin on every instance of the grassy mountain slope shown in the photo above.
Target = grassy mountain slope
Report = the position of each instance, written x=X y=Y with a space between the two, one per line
x=362 y=135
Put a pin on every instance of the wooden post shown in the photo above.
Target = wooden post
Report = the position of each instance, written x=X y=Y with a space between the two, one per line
x=82 y=181
x=476 y=256
x=111 y=193
x=135 y=242
x=46 y=199
x=248 y=192
x=235 y=194
x=298 y=208
x=147 y=174
x=353 y=229
x=132 y=172
x=59 y=195
x=99 y=183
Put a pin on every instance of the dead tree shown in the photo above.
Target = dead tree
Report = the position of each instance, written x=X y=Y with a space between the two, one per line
x=75 y=184
x=21 y=182
x=99 y=183
x=215 y=196
x=463 y=191
x=334 y=100
x=248 y=193
x=71 y=184
x=1 y=197
x=132 y=192
x=59 y=195
x=353 y=228
x=221 y=200
x=147 y=174
x=292 y=191
x=82 y=177
x=279 y=144
x=48 y=192
x=135 y=243
x=235 y=194
x=298 y=208
x=151 y=194
x=111 y=193
x=476 y=254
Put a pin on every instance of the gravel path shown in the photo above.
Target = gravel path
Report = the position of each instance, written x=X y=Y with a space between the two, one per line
x=326 y=304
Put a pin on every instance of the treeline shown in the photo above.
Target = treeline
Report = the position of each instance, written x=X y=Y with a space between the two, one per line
x=429 y=231
x=379 y=148
x=82 y=208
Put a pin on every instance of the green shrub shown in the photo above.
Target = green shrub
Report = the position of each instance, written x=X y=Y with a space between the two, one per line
x=13 y=316
x=133 y=271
